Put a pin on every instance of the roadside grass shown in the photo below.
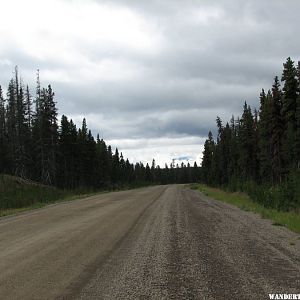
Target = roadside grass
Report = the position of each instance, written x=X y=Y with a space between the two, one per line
x=18 y=195
x=68 y=197
x=290 y=219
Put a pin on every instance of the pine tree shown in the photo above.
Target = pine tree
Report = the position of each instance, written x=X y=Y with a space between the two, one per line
x=148 y=176
x=74 y=155
x=289 y=106
x=24 y=146
x=45 y=132
x=218 y=159
x=115 y=167
x=297 y=143
x=153 y=170
x=276 y=131
x=207 y=161
x=91 y=161
x=246 y=136
x=233 y=152
x=129 y=171
x=64 y=177
x=123 y=177
x=195 y=173
x=4 y=167
x=104 y=163
x=86 y=156
x=264 y=134
x=11 y=126
x=109 y=163
x=22 y=133
x=2 y=114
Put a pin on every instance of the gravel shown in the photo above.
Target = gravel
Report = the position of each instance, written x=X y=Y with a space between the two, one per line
x=163 y=242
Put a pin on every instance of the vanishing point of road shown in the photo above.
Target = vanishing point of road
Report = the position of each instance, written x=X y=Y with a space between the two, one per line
x=162 y=242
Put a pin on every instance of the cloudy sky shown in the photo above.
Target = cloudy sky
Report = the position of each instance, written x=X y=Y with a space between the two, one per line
x=150 y=76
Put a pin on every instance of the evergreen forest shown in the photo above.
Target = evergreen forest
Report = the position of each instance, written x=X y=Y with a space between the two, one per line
x=34 y=145
x=259 y=152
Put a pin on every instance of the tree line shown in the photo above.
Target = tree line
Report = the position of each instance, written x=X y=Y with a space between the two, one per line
x=259 y=152
x=34 y=145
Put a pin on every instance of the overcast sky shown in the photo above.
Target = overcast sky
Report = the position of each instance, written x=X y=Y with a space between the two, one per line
x=150 y=76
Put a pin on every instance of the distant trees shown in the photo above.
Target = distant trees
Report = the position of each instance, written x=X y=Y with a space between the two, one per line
x=35 y=145
x=261 y=150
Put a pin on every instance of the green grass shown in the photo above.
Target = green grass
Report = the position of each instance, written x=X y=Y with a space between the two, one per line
x=18 y=195
x=66 y=198
x=290 y=219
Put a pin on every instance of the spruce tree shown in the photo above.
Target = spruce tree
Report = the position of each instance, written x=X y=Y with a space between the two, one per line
x=123 y=177
x=86 y=153
x=207 y=161
x=4 y=167
x=297 y=142
x=276 y=123
x=247 y=155
x=11 y=115
x=148 y=176
x=115 y=176
x=64 y=177
x=264 y=133
x=195 y=173
x=289 y=107
x=233 y=153
x=45 y=132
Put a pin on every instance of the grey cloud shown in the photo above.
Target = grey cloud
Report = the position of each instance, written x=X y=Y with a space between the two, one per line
x=183 y=158
x=200 y=69
x=153 y=125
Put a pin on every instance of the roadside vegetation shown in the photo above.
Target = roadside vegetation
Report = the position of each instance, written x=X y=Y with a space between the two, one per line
x=18 y=195
x=290 y=219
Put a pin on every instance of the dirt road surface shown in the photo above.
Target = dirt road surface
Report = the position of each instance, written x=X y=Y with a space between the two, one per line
x=163 y=242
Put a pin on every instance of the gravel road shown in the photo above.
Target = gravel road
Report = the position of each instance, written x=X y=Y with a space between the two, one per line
x=162 y=242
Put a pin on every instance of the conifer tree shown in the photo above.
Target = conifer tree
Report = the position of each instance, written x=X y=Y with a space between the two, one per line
x=233 y=152
x=73 y=155
x=115 y=176
x=247 y=157
x=84 y=150
x=123 y=178
x=207 y=160
x=195 y=173
x=11 y=126
x=264 y=132
x=153 y=170
x=45 y=131
x=64 y=158
x=2 y=114
x=297 y=143
x=148 y=176
x=289 y=107
x=104 y=161
x=276 y=131
x=129 y=171
x=4 y=168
